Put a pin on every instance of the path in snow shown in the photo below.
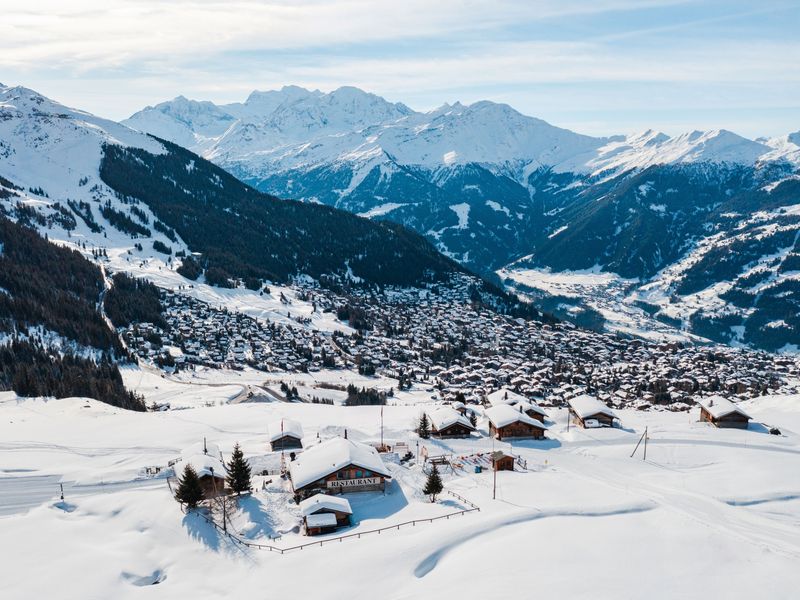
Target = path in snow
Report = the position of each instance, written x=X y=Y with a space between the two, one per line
x=18 y=494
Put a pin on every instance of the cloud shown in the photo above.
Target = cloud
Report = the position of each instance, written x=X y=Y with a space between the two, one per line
x=87 y=35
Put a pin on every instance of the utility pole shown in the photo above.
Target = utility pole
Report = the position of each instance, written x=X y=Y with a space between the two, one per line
x=381 y=428
x=494 y=479
x=645 y=444
x=62 y=491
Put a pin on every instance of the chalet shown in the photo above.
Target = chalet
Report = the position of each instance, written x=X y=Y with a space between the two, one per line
x=502 y=461
x=206 y=461
x=533 y=410
x=323 y=513
x=504 y=396
x=587 y=411
x=507 y=422
x=721 y=412
x=285 y=434
x=449 y=423
x=336 y=466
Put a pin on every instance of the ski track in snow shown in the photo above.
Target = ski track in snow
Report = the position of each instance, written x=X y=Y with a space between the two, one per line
x=429 y=562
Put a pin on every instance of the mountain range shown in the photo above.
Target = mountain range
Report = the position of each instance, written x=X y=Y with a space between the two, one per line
x=701 y=228
x=690 y=237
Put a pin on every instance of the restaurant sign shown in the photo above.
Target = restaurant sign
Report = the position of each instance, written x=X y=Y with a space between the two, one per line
x=354 y=483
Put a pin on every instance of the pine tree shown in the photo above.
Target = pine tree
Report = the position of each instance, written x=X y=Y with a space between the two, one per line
x=424 y=429
x=473 y=418
x=238 y=472
x=190 y=492
x=433 y=487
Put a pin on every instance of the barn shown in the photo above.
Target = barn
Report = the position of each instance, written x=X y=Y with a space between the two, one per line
x=588 y=412
x=323 y=513
x=447 y=422
x=507 y=422
x=721 y=412
x=285 y=434
x=336 y=466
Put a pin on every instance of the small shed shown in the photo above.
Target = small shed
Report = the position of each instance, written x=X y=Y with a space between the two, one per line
x=323 y=513
x=721 y=412
x=587 y=411
x=285 y=434
x=502 y=461
x=507 y=422
x=447 y=422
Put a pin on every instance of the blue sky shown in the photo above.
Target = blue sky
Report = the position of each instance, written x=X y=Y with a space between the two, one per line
x=598 y=66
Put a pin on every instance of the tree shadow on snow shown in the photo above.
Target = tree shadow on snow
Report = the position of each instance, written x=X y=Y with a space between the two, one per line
x=201 y=530
x=264 y=524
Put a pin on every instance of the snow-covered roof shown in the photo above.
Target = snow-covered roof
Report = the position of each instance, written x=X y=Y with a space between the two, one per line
x=203 y=464
x=504 y=396
x=323 y=501
x=585 y=406
x=503 y=414
x=278 y=429
x=719 y=407
x=321 y=520
x=444 y=417
x=332 y=455
x=529 y=405
x=211 y=448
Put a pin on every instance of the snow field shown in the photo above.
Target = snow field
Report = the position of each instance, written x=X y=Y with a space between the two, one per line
x=710 y=513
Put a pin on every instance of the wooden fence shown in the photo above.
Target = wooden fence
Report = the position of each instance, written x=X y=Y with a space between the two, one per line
x=341 y=538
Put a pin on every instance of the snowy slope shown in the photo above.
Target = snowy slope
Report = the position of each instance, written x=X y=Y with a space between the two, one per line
x=720 y=507
x=53 y=154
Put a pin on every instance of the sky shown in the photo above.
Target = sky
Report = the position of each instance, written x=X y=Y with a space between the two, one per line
x=595 y=66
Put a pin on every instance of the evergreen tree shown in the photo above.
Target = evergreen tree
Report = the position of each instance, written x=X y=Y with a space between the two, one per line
x=238 y=472
x=424 y=429
x=189 y=491
x=434 y=486
x=473 y=418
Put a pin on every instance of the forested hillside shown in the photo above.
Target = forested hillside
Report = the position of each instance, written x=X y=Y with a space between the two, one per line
x=46 y=289
x=243 y=233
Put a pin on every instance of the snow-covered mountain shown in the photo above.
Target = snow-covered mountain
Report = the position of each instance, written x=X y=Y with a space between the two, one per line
x=496 y=189
x=93 y=183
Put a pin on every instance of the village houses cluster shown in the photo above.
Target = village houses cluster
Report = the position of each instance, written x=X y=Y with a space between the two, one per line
x=441 y=337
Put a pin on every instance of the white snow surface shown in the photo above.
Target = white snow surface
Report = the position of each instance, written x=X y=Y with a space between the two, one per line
x=706 y=501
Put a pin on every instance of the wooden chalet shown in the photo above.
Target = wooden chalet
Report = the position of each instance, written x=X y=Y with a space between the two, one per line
x=323 y=513
x=533 y=410
x=507 y=422
x=588 y=412
x=210 y=471
x=285 y=434
x=337 y=466
x=721 y=412
x=447 y=422
x=504 y=396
